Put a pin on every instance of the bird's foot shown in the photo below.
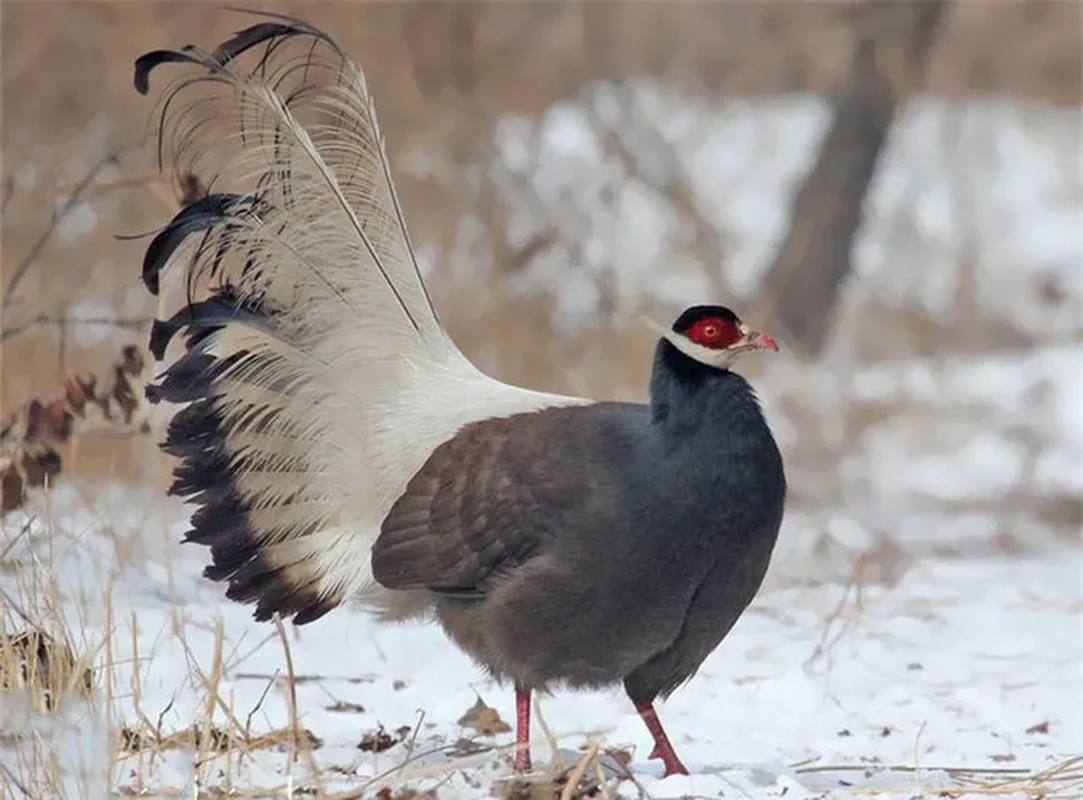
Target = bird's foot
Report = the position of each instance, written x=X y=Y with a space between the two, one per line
x=663 y=750
x=673 y=765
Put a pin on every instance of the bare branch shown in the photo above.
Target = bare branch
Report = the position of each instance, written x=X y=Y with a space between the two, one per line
x=27 y=261
x=40 y=320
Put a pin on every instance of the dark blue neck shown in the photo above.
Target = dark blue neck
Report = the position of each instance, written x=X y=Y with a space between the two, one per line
x=709 y=444
x=685 y=392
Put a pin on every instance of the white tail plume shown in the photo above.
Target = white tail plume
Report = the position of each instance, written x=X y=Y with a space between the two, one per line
x=316 y=375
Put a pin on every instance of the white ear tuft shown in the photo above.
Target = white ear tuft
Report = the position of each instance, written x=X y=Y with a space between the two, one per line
x=719 y=359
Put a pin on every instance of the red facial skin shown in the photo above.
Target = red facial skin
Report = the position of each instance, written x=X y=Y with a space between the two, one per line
x=718 y=333
x=714 y=332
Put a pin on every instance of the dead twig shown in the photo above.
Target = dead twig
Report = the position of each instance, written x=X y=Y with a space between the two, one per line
x=576 y=776
x=14 y=780
x=77 y=193
x=134 y=324
x=853 y=587
x=291 y=701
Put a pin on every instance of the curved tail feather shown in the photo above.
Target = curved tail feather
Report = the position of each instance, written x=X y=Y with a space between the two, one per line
x=315 y=376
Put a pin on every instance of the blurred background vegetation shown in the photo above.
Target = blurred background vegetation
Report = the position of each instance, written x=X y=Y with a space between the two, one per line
x=534 y=283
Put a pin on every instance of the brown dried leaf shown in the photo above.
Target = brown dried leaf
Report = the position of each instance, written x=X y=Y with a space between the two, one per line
x=377 y=741
x=345 y=706
x=405 y=793
x=484 y=719
x=622 y=756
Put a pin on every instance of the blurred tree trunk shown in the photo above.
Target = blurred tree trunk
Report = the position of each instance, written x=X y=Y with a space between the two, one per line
x=802 y=287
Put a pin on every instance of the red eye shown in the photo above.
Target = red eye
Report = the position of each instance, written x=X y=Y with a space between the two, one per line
x=714 y=332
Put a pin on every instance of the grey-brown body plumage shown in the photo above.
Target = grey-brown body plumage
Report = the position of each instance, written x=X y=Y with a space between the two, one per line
x=589 y=546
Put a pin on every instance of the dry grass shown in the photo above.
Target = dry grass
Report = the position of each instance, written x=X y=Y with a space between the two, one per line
x=46 y=668
x=72 y=677
x=1061 y=781
x=32 y=660
x=88 y=682
x=50 y=661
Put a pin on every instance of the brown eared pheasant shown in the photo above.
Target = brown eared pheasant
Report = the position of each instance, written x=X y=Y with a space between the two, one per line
x=338 y=445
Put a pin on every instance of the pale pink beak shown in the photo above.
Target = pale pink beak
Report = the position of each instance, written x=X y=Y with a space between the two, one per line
x=762 y=341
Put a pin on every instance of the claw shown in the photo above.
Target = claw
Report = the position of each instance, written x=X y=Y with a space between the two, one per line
x=662 y=748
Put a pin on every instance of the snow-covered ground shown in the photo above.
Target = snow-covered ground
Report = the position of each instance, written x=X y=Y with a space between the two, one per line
x=829 y=689
x=899 y=644
x=924 y=614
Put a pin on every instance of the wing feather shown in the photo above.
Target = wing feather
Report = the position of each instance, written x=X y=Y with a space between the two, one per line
x=480 y=506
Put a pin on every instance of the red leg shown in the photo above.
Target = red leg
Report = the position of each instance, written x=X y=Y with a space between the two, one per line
x=522 y=729
x=662 y=748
